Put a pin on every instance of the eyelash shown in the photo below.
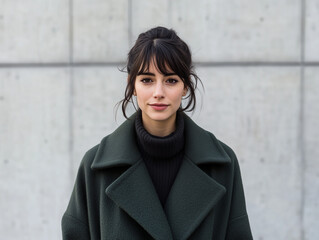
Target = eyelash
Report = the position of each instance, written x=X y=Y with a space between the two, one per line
x=146 y=80
x=169 y=81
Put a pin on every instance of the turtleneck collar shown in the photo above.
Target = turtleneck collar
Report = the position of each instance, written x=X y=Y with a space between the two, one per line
x=160 y=147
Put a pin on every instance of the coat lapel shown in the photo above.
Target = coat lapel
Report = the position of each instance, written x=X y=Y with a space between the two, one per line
x=133 y=192
x=192 y=196
x=194 y=193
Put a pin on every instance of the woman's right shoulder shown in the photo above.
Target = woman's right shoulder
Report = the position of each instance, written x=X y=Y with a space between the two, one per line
x=91 y=154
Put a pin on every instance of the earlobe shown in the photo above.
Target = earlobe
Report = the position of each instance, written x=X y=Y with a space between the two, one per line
x=184 y=92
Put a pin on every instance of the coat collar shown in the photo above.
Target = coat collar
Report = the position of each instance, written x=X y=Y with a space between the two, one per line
x=120 y=147
x=134 y=192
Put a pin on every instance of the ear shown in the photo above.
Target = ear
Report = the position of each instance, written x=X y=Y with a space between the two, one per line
x=185 y=91
x=134 y=93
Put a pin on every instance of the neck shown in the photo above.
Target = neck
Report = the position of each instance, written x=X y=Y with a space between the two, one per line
x=160 y=128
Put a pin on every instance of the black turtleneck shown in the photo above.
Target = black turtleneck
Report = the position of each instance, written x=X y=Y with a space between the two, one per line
x=162 y=155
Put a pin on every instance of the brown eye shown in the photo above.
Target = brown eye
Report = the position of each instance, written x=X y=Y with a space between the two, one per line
x=171 y=81
x=146 y=80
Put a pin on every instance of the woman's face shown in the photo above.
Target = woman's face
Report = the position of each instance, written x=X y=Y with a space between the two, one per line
x=158 y=96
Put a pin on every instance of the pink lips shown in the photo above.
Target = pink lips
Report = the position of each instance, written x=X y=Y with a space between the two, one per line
x=159 y=106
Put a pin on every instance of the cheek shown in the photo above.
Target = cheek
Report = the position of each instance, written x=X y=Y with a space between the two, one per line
x=141 y=96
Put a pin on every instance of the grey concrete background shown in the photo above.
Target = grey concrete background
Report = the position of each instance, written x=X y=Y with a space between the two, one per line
x=59 y=82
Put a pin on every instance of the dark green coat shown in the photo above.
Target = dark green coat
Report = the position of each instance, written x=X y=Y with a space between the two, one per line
x=114 y=198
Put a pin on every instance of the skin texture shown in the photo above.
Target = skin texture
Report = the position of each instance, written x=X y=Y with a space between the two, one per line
x=159 y=97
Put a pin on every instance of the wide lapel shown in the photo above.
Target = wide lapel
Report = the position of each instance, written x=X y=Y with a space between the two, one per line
x=192 y=197
x=134 y=192
x=194 y=193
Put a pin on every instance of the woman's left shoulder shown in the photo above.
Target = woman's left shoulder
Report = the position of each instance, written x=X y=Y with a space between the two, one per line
x=227 y=149
x=224 y=147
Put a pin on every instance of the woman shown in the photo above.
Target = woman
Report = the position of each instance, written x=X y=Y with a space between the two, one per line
x=159 y=175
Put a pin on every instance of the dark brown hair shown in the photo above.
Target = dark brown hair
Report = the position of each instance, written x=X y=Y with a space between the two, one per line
x=168 y=52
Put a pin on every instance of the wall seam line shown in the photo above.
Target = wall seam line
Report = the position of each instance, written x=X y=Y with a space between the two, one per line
x=196 y=64
x=130 y=33
x=71 y=92
x=301 y=126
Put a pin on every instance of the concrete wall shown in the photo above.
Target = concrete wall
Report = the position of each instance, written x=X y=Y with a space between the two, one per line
x=59 y=82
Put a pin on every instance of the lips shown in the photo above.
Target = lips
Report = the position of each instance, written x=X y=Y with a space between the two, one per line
x=159 y=106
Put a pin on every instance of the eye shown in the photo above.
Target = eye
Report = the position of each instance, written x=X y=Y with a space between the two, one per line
x=171 y=81
x=146 y=80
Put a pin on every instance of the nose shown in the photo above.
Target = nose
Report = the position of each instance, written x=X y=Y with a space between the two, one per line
x=159 y=90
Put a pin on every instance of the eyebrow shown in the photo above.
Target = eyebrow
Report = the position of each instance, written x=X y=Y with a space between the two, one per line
x=152 y=74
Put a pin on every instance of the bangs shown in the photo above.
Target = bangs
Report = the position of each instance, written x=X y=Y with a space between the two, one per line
x=165 y=58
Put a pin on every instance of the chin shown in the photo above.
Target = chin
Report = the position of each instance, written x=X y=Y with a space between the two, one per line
x=160 y=116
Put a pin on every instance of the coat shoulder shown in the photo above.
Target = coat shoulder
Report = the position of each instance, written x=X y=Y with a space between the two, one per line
x=224 y=147
x=230 y=152
x=93 y=153
x=89 y=156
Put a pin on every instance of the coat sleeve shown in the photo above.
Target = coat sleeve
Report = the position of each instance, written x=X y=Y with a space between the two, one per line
x=74 y=229
x=238 y=225
x=75 y=224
